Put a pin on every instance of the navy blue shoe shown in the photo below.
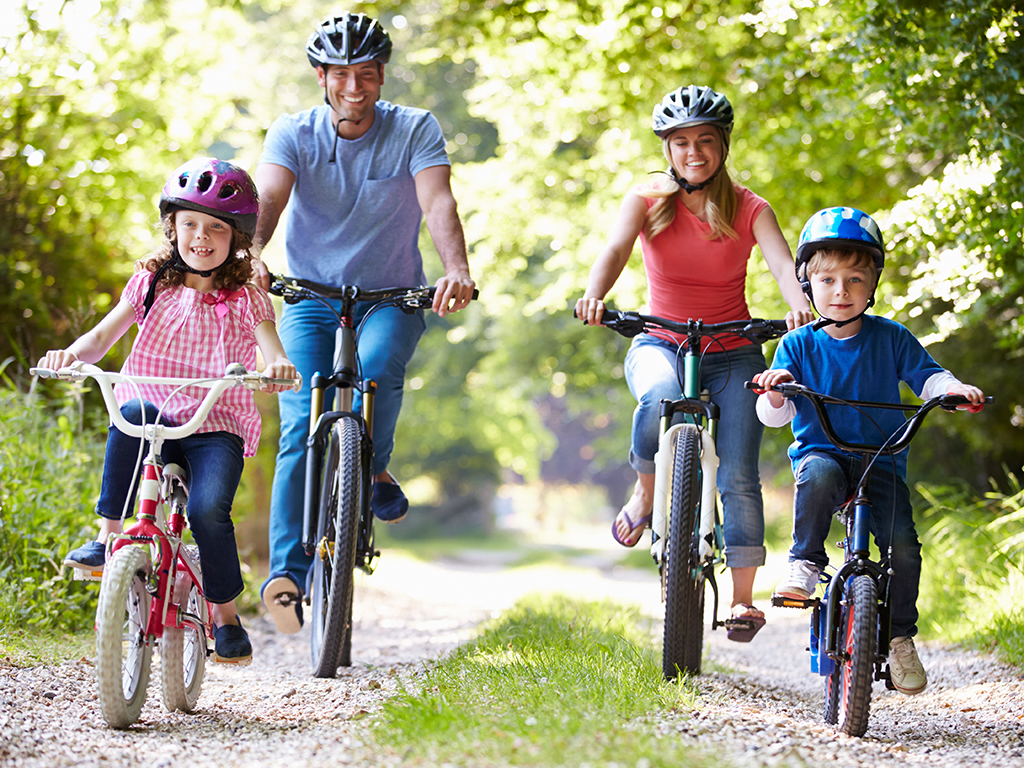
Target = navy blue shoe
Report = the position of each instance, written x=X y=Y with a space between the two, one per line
x=389 y=503
x=88 y=557
x=231 y=644
x=282 y=598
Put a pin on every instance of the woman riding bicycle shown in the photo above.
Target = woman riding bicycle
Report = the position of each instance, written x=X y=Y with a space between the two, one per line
x=196 y=314
x=697 y=230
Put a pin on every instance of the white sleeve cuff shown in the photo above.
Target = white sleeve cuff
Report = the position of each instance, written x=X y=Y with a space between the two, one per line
x=775 y=417
x=938 y=384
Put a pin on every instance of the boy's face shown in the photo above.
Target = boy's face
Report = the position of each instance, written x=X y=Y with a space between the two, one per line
x=842 y=291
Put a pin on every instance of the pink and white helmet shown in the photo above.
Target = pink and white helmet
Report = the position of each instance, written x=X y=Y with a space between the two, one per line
x=215 y=187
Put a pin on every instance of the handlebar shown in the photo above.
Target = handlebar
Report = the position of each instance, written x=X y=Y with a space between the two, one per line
x=296 y=289
x=819 y=400
x=630 y=324
x=235 y=375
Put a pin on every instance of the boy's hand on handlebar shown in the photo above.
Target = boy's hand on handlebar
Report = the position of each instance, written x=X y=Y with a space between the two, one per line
x=452 y=293
x=590 y=310
x=972 y=393
x=770 y=378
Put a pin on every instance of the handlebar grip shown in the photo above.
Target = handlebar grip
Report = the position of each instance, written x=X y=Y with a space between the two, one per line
x=43 y=373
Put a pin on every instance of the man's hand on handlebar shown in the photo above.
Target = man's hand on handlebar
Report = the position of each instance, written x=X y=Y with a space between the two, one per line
x=453 y=292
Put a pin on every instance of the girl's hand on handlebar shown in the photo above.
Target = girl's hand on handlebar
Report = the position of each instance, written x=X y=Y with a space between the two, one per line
x=768 y=379
x=590 y=310
x=972 y=393
x=453 y=292
x=283 y=369
x=56 y=359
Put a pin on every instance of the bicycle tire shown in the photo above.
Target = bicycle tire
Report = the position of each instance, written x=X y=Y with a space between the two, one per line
x=183 y=651
x=833 y=685
x=858 y=637
x=335 y=555
x=684 y=578
x=123 y=653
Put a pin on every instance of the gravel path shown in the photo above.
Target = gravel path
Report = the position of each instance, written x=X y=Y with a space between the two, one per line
x=760 y=705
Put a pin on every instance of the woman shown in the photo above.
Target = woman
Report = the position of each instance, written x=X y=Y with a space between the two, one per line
x=697 y=230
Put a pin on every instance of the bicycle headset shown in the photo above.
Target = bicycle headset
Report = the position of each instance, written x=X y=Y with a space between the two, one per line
x=838 y=228
x=688 y=106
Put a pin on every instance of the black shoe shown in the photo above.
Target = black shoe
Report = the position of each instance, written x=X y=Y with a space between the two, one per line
x=231 y=644
x=88 y=557
x=388 y=502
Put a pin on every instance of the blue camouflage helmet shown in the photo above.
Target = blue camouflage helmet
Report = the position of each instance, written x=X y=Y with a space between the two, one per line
x=840 y=227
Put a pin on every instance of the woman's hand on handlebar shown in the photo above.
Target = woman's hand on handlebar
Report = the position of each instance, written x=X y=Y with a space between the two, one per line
x=770 y=378
x=972 y=393
x=794 y=319
x=590 y=310
x=452 y=293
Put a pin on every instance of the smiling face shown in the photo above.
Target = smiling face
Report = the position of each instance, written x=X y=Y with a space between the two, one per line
x=352 y=90
x=204 y=241
x=842 y=289
x=696 y=152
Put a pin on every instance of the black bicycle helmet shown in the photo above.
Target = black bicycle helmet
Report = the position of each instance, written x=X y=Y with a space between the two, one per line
x=350 y=38
x=693 y=105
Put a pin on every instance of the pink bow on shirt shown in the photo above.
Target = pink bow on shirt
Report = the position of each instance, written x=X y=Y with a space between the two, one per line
x=220 y=300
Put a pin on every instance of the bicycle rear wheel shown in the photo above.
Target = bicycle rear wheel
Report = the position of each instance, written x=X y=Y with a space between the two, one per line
x=684 y=578
x=858 y=635
x=335 y=555
x=183 y=651
x=123 y=654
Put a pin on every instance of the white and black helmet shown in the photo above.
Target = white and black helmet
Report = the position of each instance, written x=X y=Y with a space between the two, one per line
x=693 y=105
x=350 y=38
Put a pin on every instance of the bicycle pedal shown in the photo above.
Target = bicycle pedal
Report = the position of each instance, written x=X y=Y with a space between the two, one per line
x=778 y=601
x=236 y=662
x=79 y=574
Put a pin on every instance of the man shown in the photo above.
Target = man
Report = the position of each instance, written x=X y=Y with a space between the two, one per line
x=361 y=175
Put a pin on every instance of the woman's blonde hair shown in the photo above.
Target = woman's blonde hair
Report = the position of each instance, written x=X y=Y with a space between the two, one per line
x=233 y=274
x=721 y=202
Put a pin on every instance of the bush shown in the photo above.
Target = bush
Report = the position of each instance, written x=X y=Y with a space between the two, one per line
x=50 y=464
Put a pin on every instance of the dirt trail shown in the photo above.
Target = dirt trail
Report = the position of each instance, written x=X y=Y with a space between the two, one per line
x=761 y=704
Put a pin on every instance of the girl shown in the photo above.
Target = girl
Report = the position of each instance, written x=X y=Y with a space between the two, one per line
x=697 y=230
x=196 y=314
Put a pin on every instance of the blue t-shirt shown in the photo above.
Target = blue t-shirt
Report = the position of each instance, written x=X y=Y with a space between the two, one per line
x=355 y=221
x=868 y=366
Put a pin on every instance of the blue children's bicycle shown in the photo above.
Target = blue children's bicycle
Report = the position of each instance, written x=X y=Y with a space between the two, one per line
x=850 y=624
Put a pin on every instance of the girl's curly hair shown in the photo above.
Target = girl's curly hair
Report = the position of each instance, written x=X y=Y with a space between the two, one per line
x=234 y=273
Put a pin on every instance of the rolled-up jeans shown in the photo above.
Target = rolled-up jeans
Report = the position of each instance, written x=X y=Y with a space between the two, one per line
x=213 y=465
x=651 y=376
x=386 y=343
x=824 y=481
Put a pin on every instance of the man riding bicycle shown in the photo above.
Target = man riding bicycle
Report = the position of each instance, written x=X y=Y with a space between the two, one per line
x=360 y=174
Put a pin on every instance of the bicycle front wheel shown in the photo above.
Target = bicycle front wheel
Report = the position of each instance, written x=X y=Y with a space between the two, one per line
x=859 y=632
x=683 y=574
x=335 y=556
x=123 y=653
x=183 y=651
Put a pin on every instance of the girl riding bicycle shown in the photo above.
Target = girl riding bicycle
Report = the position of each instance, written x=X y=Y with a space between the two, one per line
x=852 y=355
x=196 y=314
x=697 y=230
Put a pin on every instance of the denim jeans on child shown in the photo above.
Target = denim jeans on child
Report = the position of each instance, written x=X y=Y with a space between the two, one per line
x=386 y=342
x=651 y=376
x=213 y=464
x=826 y=480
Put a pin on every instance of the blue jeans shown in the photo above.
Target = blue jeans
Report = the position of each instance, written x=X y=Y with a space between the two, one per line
x=823 y=482
x=213 y=464
x=386 y=343
x=651 y=376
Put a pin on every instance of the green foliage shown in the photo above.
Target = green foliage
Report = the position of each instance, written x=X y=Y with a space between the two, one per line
x=973 y=582
x=552 y=681
x=49 y=480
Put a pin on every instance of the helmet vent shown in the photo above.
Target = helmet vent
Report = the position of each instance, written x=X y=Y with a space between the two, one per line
x=226 y=191
x=204 y=181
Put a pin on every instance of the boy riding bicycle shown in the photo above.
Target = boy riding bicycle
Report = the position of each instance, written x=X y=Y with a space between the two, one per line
x=852 y=355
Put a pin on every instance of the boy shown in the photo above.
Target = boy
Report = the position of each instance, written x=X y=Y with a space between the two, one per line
x=852 y=355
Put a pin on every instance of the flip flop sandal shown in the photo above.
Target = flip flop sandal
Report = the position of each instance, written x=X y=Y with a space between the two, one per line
x=643 y=522
x=741 y=629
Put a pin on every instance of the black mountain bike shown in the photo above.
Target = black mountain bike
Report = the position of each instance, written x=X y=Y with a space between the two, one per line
x=337 y=521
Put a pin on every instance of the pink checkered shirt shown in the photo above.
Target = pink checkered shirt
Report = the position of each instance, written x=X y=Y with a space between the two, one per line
x=184 y=336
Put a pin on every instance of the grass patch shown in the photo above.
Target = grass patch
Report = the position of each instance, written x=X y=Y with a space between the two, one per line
x=22 y=648
x=553 y=681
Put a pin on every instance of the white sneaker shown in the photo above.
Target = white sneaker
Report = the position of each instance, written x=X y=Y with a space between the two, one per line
x=801 y=581
x=905 y=668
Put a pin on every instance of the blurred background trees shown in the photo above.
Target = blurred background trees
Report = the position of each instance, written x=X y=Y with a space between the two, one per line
x=911 y=111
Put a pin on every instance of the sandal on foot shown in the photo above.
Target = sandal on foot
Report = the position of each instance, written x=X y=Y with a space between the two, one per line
x=746 y=621
x=642 y=523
